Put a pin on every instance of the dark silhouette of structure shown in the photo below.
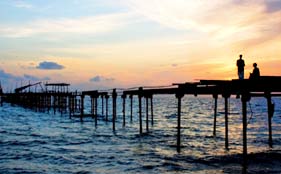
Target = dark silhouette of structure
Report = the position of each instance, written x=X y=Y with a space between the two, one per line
x=240 y=65
x=60 y=98
x=1 y=94
x=256 y=72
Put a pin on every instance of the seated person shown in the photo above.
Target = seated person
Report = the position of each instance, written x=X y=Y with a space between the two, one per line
x=256 y=72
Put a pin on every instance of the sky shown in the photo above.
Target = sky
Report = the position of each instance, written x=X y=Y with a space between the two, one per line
x=102 y=44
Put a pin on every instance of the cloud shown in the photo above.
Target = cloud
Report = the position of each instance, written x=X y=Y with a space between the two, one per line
x=95 y=79
x=49 y=66
x=99 y=78
x=9 y=80
x=6 y=76
x=63 y=26
x=228 y=21
x=34 y=78
x=273 y=5
x=22 y=4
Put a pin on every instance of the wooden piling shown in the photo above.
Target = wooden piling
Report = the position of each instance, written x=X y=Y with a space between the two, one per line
x=106 y=107
x=96 y=110
x=146 y=102
x=151 y=109
x=54 y=103
x=226 y=96
x=215 y=96
x=114 y=97
x=1 y=98
x=179 y=96
x=92 y=107
x=69 y=106
x=75 y=103
x=131 y=100
x=82 y=108
x=226 y=122
x=102 y=105
x=245 y=98
x=270 y=111
x=124 y=109
x=140 y=109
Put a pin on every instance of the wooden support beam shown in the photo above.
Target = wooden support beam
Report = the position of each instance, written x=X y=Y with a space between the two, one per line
x=1 y=99
x=270 y=111
x=96 y=110
x=179 y=96
x=151 y=109
x=147 y=119
x=124 y=109
x=215 y=96
x=131 y=100
x=102 y=105
x=140 y=109
x=245 y=98
x=82 y=108
x=75 y=103
x=92 y=107
x=226 y=119
x=106 y=107
x=72 y=104
x=114 y=97
x=54 y=103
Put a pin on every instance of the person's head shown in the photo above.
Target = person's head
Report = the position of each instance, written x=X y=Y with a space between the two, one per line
x=255 y=64
x=240 y=56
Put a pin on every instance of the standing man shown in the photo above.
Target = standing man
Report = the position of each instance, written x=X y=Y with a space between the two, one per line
x=240 y=65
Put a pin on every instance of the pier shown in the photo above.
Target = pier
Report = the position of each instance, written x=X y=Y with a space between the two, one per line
x=60 y=99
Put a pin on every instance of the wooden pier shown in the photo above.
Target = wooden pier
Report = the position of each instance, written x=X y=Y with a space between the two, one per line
x=59 y=98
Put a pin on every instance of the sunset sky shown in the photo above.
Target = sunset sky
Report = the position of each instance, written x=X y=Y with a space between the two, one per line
x=100 y=44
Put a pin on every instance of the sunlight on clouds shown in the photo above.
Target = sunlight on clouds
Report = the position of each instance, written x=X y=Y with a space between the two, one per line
x=83 y=25
x=196 y=40
x=220 y=19
x=182 y=14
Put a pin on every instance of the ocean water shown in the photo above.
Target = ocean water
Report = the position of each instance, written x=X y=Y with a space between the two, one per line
x=37 y=142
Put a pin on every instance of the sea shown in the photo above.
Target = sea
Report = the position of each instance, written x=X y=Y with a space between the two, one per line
x=44 y=142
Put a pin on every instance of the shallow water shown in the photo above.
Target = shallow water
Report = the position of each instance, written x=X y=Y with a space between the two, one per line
x=36 y=142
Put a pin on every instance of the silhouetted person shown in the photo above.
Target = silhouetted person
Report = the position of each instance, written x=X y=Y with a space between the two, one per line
x=256 y=72
x=240 y=65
